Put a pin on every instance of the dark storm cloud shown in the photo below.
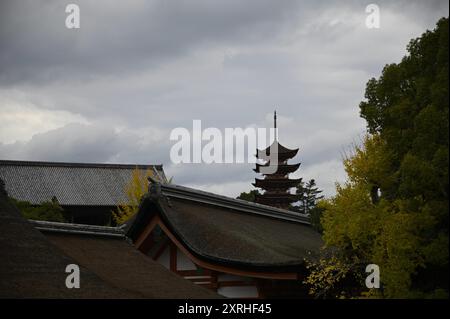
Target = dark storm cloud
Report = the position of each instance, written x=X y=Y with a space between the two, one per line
x=137 y=69
x=132 y=35
x=124 y=37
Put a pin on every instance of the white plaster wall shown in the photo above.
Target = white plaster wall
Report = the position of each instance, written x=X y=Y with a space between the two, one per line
x=164 y=259
x=183 y=262
x=238 y=292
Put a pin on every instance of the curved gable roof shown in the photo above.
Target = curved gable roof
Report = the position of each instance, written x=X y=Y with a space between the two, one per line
x=238 y=235
x=233 y=237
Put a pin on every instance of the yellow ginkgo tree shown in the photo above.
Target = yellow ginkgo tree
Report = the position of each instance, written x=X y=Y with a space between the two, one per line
x=135 y=189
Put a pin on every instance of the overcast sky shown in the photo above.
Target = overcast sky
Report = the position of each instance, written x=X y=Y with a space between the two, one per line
x=113 y=90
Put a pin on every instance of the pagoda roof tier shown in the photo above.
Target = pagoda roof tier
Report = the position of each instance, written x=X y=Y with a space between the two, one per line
x=278 y=196
x=270 y=200
x=281 y=169
x=282 y=157
x=276 y=183
x=281 y=148
x=282 y=151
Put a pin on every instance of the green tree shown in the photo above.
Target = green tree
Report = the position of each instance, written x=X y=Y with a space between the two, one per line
x=308 y=194
x=408 y=107
x=312 y=195
x=47 y=211
x=393 y=210
x=300 y=197
x=249 y=196
x=315 y=216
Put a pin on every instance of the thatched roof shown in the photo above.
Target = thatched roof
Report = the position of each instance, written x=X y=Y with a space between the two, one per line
x=31 y=267
x=33 y=262
x=117 y=262
x=73 y=184
x=231 y=232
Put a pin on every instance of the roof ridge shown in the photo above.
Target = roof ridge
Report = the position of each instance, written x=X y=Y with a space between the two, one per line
x=77 y=164
x=188 y=193
x=71 y=228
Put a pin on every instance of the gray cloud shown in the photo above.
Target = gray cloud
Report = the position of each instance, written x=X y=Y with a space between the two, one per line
x=135 y=70
x=76 y=142
x=38 y=48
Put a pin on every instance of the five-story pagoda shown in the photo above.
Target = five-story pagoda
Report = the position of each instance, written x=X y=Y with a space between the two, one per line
x=276 y=182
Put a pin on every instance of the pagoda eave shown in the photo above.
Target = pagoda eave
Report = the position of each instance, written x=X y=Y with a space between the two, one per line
x=271 y=183
x=284 y=199
x=280 y=156
x=283 y=196
x=280 y=149
x=281 y=168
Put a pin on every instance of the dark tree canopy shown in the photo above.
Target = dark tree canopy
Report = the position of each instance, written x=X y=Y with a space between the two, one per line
x=408 y=107
x=308 y=194
x=47 y=211
x=249 y=196
x=393 y=210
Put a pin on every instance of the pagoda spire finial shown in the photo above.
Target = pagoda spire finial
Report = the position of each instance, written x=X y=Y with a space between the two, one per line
x=275 y=124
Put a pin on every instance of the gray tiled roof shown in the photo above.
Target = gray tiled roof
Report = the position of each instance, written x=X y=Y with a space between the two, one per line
x=71 y=183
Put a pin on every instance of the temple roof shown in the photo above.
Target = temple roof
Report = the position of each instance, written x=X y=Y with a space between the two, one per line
x=280 y=199
x=277 y=195
x=73 y=184
x=276 y=200
x=281 y=168
x=271 y=183
x=119 y=262
x=231 y=232
x=32 y=267
x=34 y=256
x=281 y=150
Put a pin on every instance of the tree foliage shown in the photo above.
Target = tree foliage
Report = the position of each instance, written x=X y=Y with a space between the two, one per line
x=393 y=210
x=308 y=194
x=331 y=276
x=134 y=190
x=47 y=211
x=249 y=196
